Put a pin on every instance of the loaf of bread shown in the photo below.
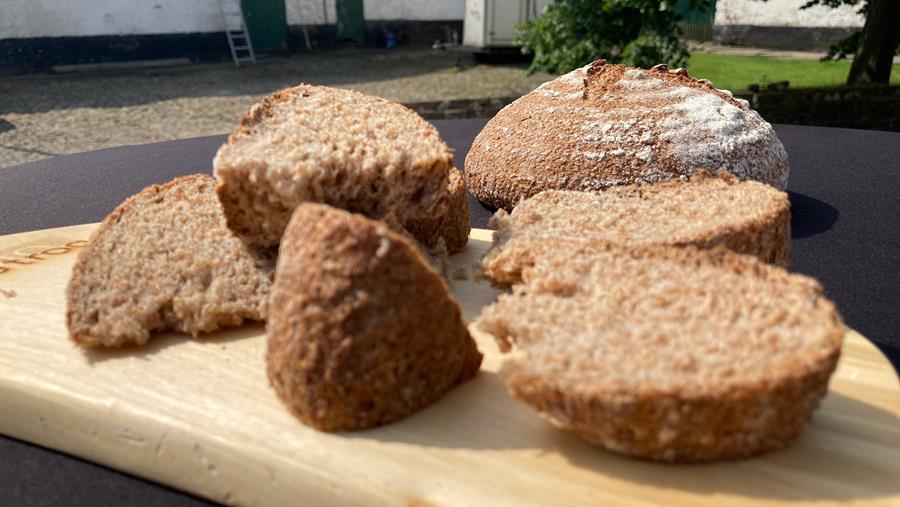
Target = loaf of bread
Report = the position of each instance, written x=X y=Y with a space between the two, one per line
x=747 y=217
x=605 y=125
x=339 y=147
x=164 y=260
x=362 y=331
x=664 y=353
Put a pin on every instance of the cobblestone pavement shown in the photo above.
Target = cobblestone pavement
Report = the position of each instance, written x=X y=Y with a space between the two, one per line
x=48 y=115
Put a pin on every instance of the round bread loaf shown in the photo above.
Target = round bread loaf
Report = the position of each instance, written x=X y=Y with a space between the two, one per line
x=361 y=330
x=604 y=125
x=745 y=216
x=356 y=152
x=671 y=354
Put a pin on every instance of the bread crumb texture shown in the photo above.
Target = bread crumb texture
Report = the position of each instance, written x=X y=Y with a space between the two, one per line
x=670 y=354
x=362 y=330
x=360 y=153
x=746 y=217
x=605 y=125
x=165 y=260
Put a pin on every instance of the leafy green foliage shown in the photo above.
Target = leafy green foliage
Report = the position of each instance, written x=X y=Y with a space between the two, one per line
x=836 y=3
x=573 y=33
x=844 y=47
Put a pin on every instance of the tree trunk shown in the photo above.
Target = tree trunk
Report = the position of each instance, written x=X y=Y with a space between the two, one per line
x=880 y=37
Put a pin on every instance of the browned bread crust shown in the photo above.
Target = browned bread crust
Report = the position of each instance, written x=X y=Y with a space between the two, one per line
x=745 y=216
x=605 y=125
x=453 y=226
x=362 y=331
x=164 y=260
x=339 y=147
x=671 y=354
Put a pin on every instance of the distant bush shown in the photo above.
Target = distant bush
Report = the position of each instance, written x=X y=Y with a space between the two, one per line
x=573 y=33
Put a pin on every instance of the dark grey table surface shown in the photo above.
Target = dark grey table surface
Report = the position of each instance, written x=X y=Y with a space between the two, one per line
x=845 y=197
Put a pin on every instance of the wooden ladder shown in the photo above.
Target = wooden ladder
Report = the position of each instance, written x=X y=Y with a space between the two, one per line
x=236 y=32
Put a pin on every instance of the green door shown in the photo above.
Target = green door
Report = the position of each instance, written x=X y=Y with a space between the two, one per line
x=696 y=24
x=266 y=22
x=350 y=20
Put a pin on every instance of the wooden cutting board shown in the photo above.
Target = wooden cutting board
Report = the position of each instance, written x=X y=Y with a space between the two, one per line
x=199 y=416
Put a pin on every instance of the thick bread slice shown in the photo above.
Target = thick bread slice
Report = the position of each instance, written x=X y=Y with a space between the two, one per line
x=164 y=260
x=339 y=147
x=362 y=331
x=747 y=217
x=605 y=125
x=453 y=226
x=672 y=354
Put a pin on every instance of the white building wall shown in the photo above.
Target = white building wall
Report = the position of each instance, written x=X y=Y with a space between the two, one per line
x=57 y=18
x=311 y=12
x=785 y=13
x=425 y=10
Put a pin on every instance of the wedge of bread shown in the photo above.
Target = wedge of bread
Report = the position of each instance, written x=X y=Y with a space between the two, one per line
x=747 y=217
x=164 y=260
x=339 y=147
x=362 y=331
x=671 y=354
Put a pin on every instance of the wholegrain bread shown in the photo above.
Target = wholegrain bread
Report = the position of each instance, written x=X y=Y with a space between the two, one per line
x=671 y=354
x=605 y=125
x=339 y=147
x=362 y=331
x=164 y=260
x=450 y=228
x=747 y=217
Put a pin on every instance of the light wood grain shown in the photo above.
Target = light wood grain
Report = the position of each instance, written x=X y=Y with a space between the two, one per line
x=199 y=416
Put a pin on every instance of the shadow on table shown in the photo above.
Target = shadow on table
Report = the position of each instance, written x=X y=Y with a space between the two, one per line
x=810 y=216
x=844 y=455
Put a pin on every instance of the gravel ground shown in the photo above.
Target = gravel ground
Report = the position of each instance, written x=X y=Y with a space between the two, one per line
x=48 y=115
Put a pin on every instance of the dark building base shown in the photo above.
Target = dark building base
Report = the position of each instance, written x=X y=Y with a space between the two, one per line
x=781 y=37
x=39 y=54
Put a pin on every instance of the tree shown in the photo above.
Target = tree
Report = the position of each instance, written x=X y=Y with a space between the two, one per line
x=877 y=45
x=874 y=46
x=573 y=33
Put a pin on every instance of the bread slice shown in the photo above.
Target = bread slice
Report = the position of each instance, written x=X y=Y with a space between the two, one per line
x=362 y=331
x=747 y=217
x=605 y=125
x=671 y=354
x=339 y=147
x=452 y=228
x=164 y=260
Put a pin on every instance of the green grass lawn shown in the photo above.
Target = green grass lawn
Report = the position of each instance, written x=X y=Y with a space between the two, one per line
x=736 y=72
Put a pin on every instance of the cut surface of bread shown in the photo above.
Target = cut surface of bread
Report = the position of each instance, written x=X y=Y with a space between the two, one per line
x=605 y=125
x=339 y=147
x=165 y=260
x=671 y=354
x=747 y=217
x=452 y=227
x=361 y=331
